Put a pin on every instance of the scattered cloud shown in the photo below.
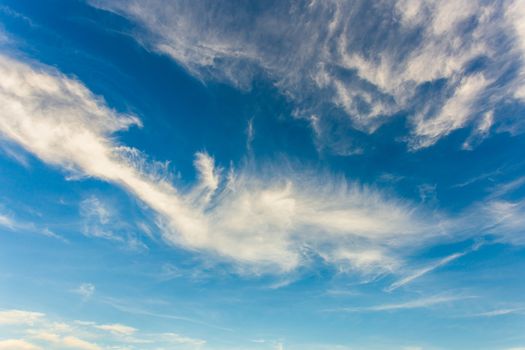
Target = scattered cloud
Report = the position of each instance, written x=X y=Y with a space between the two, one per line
x=99 y=219
x=175 y=338
x=61 y=340
x=6 y=221
x=19 y=317
x=17 y=344
x=12 y=223
x=118 y=329
x=43 y=332
x=76 y=343
x=85 y=290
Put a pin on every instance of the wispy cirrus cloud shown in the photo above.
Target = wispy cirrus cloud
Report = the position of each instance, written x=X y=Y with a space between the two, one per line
x=418 y=273
x=500 y=312
x=12 y=223
x=407 y=305
x=423 y=271
x=369 y=62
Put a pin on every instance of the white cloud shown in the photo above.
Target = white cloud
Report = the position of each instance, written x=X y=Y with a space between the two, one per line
x=249 y=217
x=76 y=343
x=515 y=11
x=454 y=114
x=85 y=290
x=47 y=336
x=209 y=178
x=423 y=271
x=93 y=207
x=116 y=328
x=506 y=219
x=15 y=224
x=15 y=154
x=270 y=219
x=6 y=221
x=411 y=304
x=99 y=219
x=47 y=333
x=68 y=341
x=17 y=344
x=175 y=338
x=417 y=274
x=500 y=312
x=19 y=317
x=255 y=219
x=326 y=53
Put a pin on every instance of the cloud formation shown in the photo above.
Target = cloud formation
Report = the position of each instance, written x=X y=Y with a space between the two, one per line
x=271 y=219
x=447 y=64
x=274 y=219
x=17 y=344
x=19 y=317
x=45 y=333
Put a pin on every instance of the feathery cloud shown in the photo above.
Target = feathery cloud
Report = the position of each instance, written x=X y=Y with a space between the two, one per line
x=370 y=62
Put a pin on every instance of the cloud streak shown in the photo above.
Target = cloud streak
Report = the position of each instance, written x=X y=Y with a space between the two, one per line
x=408 y=305
x=425 y=270
x=421 y=272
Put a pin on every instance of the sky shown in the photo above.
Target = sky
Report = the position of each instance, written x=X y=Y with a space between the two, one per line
x=262 y=175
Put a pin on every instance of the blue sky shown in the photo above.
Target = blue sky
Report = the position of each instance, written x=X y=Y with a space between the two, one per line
x=280 y=175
